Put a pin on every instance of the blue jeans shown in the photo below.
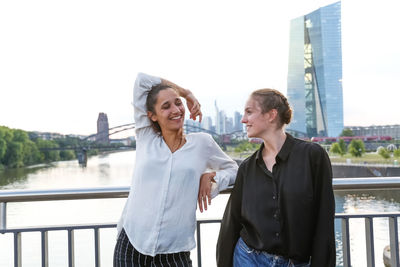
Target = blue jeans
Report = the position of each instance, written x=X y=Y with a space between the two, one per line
x=248 y=257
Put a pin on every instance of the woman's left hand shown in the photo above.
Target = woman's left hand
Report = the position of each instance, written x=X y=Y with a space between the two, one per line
x=204 y=196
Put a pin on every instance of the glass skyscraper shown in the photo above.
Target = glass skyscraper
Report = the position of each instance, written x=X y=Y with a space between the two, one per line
x=314 y=87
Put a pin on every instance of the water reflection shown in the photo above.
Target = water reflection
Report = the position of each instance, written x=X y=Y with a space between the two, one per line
x=365 y=201
x=19 y=175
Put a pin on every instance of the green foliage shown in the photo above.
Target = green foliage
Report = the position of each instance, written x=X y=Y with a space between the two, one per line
x=347 y=132
x=246 y=146
x=356 y=148
x=48 y=155
x=14 y=157
x=19 y=148
x=335 y=148
x=343 y=146
x=396 y=153
x=384 y=153
x=67 y=154
x=339 y=148
x=3 y=148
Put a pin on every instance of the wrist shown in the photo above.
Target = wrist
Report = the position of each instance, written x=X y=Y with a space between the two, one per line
x=212 y=180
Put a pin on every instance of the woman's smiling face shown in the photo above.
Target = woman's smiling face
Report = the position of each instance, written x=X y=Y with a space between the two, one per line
x=169 y=110
x=256 y=122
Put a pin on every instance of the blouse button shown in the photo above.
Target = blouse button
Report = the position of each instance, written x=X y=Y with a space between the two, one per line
x=277 y=234
x=274 y=197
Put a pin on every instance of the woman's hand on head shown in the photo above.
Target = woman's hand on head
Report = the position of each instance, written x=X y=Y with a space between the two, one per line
x=204 y=196
x=194 y=107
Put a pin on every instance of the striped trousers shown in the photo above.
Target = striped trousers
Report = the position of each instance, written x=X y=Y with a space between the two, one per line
x=125 y=255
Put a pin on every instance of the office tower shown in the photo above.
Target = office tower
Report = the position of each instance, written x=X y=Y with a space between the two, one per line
x=238 y=124
x=206 y=123
x=221 y=122
x=217 y=119
x=228 y=125
x=314 y=86
x=102 y=129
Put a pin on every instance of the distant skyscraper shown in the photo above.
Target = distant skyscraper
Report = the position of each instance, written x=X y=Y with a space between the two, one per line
x=206 y=123
x=217 y=119
x=314 y=85
x=102 y=129
x=237 y=121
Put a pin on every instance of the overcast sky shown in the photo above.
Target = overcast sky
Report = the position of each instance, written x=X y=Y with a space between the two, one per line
x=63 y=62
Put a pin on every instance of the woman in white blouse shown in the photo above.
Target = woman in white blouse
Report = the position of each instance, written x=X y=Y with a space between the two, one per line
x=158 y=222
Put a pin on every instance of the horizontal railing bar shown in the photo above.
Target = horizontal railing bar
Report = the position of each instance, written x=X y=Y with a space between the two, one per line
x=58 y=228
x=123 y=191
x=367 y=215
x=63 y=194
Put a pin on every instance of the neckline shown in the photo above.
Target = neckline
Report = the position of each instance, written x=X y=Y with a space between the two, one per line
x=170 y=151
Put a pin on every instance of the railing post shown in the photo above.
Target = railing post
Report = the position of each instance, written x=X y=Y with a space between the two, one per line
x=71 y=248
x=369 y=237
x=346 y=243
x=198 y=245
x=97 y=246
x=45 y=248
x=17 y=250
x=3 y=215
x=394 y=241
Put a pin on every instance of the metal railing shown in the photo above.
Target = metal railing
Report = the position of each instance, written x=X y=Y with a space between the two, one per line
x=7 y=196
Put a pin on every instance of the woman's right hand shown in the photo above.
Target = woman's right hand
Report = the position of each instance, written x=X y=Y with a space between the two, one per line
x=194 y=106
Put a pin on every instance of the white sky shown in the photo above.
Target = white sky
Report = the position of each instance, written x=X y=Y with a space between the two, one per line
x=63 y=62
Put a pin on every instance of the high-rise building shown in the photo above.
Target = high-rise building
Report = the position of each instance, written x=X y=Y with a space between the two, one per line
x=314 y=86
x=102 y=129
x=217 y=119
x=206 y=123
x=237 y=122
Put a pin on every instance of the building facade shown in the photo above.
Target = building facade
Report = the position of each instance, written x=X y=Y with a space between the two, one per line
x=102 y=129
x=314 y=86
x=376 y=130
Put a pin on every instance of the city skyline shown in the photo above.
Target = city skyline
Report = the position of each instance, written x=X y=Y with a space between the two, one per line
x=58 y=73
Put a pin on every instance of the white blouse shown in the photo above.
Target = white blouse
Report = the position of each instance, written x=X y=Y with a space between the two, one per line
x=160 y=213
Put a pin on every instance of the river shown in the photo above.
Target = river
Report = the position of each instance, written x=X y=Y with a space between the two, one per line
x=116 y=169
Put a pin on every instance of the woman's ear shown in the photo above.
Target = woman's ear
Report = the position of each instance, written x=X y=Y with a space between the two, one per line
x=273 y=114
x=152 y=116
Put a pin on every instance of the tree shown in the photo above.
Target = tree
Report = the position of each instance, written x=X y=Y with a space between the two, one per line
x=347 y=132
x=356 y=147
x=339 y=148
x=384 y=153
x=3 y=149
x=14 y=157
x=48 y=155
x=31 y=153
x=335 y=148
x=67 y=154
x=396 y=153
x=343 y=146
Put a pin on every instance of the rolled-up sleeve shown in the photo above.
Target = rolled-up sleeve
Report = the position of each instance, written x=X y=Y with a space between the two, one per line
x=225 y=167
x=143 y=85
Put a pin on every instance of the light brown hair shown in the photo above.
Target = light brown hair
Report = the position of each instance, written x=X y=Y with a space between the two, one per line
x=273 y=99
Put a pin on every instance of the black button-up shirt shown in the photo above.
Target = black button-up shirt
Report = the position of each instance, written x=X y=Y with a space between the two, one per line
x=289 y=211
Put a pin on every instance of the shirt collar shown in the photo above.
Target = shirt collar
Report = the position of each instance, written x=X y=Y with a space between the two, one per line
x=283 y=153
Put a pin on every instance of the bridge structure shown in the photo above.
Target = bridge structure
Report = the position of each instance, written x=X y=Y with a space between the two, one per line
x=84 y=146
x=82 y=149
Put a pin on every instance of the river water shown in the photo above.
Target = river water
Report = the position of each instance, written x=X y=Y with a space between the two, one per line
x=116 y=169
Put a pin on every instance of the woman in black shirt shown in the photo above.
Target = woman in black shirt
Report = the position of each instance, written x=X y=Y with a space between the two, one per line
x=281 y=210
